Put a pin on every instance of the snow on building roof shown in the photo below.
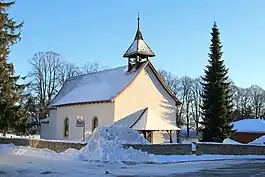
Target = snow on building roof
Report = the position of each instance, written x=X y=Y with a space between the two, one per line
x=94 y=87
x=129 y=120
x=250 y=125
x=145 y=119
x=46 y=120
x=139 y=47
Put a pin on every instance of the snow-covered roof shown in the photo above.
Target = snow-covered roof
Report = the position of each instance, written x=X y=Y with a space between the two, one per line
x=145 y=119
x=139 y=47
x=94 y=87
x=103 y=86
x=129 y=120
x=46 y=120
x=250 y=125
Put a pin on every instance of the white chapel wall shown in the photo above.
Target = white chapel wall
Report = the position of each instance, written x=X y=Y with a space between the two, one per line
x=146 y=91
x=48 y=130
x=103 y=111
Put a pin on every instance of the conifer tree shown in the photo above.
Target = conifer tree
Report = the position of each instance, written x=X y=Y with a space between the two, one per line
x=12 y=115
x=216 y=98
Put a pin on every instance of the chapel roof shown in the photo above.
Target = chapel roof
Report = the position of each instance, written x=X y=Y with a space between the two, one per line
x=100 y=86
x=103 y=86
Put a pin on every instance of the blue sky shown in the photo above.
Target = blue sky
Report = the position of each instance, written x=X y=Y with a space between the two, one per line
x=177 y=31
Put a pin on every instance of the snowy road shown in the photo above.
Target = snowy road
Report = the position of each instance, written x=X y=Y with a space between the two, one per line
x=22 y=166
x=250 y=168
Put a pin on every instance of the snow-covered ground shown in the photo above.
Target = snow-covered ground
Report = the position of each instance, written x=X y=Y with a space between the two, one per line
x=25 y=161
x=104 y=156
x=34 y=166
x=16 y=136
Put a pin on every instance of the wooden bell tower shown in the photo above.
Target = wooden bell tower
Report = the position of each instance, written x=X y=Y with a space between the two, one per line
x=139 y=51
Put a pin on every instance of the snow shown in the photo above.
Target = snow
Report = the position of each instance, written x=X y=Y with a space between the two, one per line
x=194 y=158
x=38 y=138
x=35 y=166
x=139 y=47
x=152 y=121
x=144 y=120
x=105 y=145
x=46 y=120
x=10 y=135
x=129 y=120
x=250 y=125
x=99 y=86
x=229 y=141
x=258 y=141
x=104 y=154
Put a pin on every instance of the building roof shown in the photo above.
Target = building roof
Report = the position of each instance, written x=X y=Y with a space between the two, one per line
x=146 y=119
x=139 y=47
x=95 y=87
x=249 y=126
x=103 y=86
x=46 y=120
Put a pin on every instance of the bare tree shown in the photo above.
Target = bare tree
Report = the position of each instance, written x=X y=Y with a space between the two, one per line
x=196 y=102
x=48 y=74
x=91 y=68
x=186 y=96
x=45 y=77
x=258 y=100
x=68 y=70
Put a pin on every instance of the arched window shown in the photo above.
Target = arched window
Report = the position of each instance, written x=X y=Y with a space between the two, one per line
x=66 y=127
x=94 y=123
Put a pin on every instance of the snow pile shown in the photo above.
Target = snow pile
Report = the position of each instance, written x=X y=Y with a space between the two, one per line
x=36 y=136
x=43 y=153
x=105 y=145
x=229 y=141
x=11 y=149
x=259 y=141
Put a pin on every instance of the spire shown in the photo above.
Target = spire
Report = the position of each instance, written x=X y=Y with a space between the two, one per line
x=138 y=29
x=138 y=34
x=139 y=48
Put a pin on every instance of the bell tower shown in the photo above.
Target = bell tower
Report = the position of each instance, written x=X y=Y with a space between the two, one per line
x=139 y=51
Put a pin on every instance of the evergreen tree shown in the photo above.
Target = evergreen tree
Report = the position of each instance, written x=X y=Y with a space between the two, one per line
x=12 y=116
x=216 y=98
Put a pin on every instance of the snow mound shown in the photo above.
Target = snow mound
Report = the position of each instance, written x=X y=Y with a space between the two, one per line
x=105 y=145
x=259 y=141
x=229 y=141
x=11 y=149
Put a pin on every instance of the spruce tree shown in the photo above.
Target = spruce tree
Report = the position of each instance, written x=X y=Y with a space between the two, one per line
x=12 y=115
x=216 y=98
